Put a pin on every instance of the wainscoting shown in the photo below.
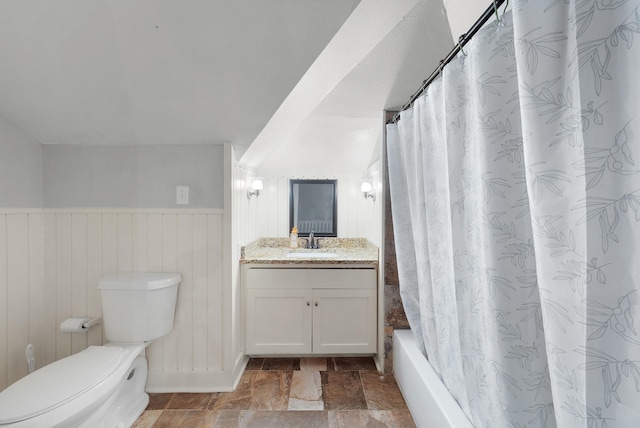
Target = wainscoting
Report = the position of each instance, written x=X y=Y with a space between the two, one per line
x=357 y=217
x=53 y=260
x=22 y=292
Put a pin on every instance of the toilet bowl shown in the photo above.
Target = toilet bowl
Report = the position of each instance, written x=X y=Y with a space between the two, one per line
x=101 y=386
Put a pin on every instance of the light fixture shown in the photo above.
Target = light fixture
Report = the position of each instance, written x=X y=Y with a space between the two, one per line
x=255 y=187
x=367 y=190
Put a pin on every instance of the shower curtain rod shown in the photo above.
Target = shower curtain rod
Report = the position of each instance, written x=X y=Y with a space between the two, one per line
x=491 y=10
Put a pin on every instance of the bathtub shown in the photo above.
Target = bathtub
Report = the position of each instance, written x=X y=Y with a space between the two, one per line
x=429 y=401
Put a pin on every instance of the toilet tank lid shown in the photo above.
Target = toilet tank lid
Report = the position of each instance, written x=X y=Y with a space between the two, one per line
x=138 y=280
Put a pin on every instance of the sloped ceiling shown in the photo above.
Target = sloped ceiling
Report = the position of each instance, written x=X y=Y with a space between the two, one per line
x=331 y=122
x=284 y=81
x=156 y=71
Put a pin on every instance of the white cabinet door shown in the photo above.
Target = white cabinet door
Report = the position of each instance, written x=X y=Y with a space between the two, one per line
x=344 y=321
x=278 y=321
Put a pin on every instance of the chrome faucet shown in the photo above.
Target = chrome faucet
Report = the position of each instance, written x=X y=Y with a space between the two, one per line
x=311 y=242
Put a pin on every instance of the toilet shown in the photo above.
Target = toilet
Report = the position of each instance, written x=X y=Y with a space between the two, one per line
x=102 y=386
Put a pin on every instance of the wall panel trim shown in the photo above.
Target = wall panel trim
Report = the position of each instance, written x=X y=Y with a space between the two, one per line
x=93 y=210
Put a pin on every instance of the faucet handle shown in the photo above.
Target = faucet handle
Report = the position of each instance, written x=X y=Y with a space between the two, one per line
x=318 y=242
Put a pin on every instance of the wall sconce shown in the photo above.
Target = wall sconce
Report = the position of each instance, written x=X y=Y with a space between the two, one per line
x=255 y=187
x=367 y=190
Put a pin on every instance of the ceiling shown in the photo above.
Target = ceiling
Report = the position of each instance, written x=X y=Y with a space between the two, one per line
x=281 y=77
x=331 y=122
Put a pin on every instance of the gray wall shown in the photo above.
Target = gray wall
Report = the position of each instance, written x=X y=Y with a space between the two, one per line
x=132 y=176
x=20 y=167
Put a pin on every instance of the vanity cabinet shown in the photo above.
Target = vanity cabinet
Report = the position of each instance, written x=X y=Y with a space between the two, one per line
x=279 y=321
x=298 y=311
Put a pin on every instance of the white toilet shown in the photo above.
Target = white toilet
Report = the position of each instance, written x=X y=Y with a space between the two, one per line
x=102 y=386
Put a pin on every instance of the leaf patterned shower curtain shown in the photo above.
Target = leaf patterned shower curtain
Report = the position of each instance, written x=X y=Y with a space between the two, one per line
x=515 y=189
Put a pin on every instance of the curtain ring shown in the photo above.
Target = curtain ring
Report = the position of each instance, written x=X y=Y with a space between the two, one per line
x=500 y=18
x=460 y=42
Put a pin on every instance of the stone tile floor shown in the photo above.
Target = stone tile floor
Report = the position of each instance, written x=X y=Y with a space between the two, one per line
x=289 y=392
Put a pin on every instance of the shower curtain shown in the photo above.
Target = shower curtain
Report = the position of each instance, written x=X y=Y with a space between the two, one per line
x=515 y=189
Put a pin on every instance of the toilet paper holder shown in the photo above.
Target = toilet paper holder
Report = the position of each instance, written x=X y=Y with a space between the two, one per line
x=79 y=325
x=90 y=323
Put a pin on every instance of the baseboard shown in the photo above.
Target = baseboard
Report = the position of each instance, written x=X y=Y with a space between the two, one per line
x=196 y=381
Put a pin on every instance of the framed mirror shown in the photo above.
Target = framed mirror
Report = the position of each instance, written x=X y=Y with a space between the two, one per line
x=313 y=207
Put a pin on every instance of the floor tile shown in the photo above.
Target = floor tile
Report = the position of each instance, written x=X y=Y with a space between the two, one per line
x=354 y=363
x=306 y=391
x=281 y=364
x=255 y=364
x=274 y=419
x=186 y=419
x=147 y=419
x=190 y=401
x=342 y=390
x=258 y=390
x=370 y=419
x=303 y=405
x=350 y=390
x=229 y=418
x=314 y=364
x=381 y=391
x=158 y=401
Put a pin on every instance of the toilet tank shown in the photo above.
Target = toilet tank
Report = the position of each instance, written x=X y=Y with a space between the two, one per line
x=138 y=306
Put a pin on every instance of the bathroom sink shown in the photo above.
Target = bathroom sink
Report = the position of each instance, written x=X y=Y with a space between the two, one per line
x=311 y=255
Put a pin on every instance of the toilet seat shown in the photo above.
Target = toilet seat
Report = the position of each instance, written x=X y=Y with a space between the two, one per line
x=58 y=383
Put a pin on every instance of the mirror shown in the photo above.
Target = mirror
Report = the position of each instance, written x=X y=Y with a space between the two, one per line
x=313 y=207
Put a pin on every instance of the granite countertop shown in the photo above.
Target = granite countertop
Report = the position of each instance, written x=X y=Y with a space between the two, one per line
x=342 y=250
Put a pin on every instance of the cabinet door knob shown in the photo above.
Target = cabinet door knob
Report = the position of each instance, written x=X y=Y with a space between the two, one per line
x=316 y=303
x=308 y=304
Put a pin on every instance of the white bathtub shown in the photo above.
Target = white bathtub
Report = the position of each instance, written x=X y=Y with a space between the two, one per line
x=429 y=401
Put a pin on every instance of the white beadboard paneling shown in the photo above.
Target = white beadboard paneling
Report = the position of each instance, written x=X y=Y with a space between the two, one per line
x=273 y=204
x=154 y=242
x=269 y=213
x=185 y=314
x=354 y=198
x=51 y=262
x=4 y=303
x=200 y=292
x=109 y=243
x=375 y=229
x=22 y=299
x=170 y=264
x=214 y=292
x=37 y=300
x=365 y=210
x=78 y=276
x=170 y=243
x=233 y=235
x=50 y=268
x=140 y=242
x=63 y=282
x=125 y=242
x=94 y=272
x=154 y=263
x=283 y=201
x=17 y=292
